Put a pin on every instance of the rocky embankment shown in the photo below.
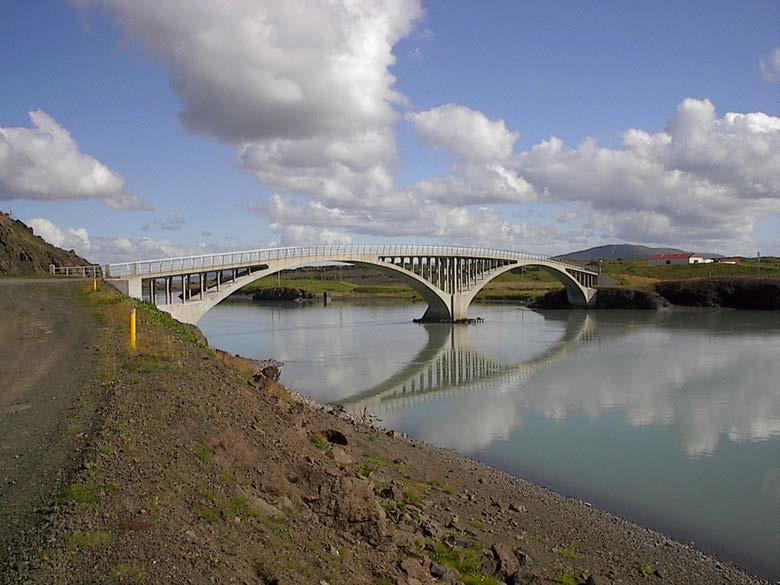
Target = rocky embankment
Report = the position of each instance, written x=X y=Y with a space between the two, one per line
x=607 y=298
x=202 y=469
x=736 y=293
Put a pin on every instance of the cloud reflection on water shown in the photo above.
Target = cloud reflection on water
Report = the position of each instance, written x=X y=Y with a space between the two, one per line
x=708 y=375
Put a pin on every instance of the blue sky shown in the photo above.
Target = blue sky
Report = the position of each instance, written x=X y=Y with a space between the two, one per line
x=356 y=155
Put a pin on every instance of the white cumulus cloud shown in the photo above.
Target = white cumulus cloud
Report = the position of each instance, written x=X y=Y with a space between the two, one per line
x=303 y=89
x=305 y=94
x=770 y=66
x=703 y=179
x=45 y=163
x=71 y=239
x=467 y=133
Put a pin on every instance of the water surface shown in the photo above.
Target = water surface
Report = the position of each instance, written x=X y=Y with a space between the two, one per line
x=671 y=419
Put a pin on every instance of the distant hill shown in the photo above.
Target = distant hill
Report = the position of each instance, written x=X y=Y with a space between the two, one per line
x=616 y=251
x=22 y=253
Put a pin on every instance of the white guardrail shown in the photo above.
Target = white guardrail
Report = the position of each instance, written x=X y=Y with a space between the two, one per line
x=88 y=271
x=207 y=262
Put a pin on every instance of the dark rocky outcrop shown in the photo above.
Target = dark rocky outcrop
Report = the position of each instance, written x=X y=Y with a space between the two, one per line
x=555 y=299
x=22 y=253
x=282 y=293
x=737 y=293
x=607 y=298
x=626 y=298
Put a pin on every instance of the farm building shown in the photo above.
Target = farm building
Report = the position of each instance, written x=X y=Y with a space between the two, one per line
x=684 y=258
x=664 y=259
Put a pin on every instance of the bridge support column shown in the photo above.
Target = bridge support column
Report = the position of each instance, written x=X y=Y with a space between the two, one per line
x=131 y=287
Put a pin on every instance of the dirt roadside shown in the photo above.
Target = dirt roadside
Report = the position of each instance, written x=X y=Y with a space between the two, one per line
x=200 y=470
x=47 y=335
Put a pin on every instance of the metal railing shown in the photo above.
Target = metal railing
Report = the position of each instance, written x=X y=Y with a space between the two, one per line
x=226 y=260
x=88 y=271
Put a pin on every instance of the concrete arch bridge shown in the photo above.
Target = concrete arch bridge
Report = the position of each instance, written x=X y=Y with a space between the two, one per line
x=447 y=277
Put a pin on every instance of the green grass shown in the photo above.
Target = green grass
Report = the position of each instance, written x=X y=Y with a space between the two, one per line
x=370 y=464
x=567 y=553
x=128 y=574
x=319 y=443
x=464 y=560
x=631 y=271
x=333 y=287
x=155 y=315
x=416 y=492
x=207 y=508
x=89 y=540
x=205 y=454
x=646 y=569
x=477 y=524
x=146 y=363
x=81 y=494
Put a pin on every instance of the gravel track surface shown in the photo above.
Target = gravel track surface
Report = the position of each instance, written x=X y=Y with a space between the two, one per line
x=46 y=332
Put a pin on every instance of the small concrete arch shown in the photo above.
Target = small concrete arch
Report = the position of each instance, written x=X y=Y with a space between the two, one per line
x=577 y=294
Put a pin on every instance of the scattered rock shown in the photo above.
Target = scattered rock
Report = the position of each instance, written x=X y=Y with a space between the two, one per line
x=517 y=507
x=269 y=372
x=350 y=502
x=437 y=570
x=260 y=506
x=392 y=491
x=413 y=569
x=506 y=561
x=488 y=563
x=335 y=437
x=340 y=457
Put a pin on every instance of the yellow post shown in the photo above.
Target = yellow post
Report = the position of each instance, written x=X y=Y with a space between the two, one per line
x=133 y=338
x=94 y=284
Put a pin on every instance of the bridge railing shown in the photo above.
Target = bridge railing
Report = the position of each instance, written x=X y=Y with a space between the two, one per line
x=205 y=262
x=86 y=271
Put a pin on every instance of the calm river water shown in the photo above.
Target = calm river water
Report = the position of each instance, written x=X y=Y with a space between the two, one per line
x=671 y=419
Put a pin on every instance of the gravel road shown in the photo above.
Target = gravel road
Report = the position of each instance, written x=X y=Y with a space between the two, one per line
x=47 y=335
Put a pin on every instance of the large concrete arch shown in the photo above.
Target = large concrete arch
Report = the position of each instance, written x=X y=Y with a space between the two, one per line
x=193 y=311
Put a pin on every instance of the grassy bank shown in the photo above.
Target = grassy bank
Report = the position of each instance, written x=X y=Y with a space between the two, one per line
x=637 y=273
x=200 y=472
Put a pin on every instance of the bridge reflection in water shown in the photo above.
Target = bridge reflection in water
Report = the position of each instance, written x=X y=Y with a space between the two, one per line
x=450 y=364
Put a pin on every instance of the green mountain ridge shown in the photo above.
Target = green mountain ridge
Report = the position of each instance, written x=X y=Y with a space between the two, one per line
x=624 y=252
